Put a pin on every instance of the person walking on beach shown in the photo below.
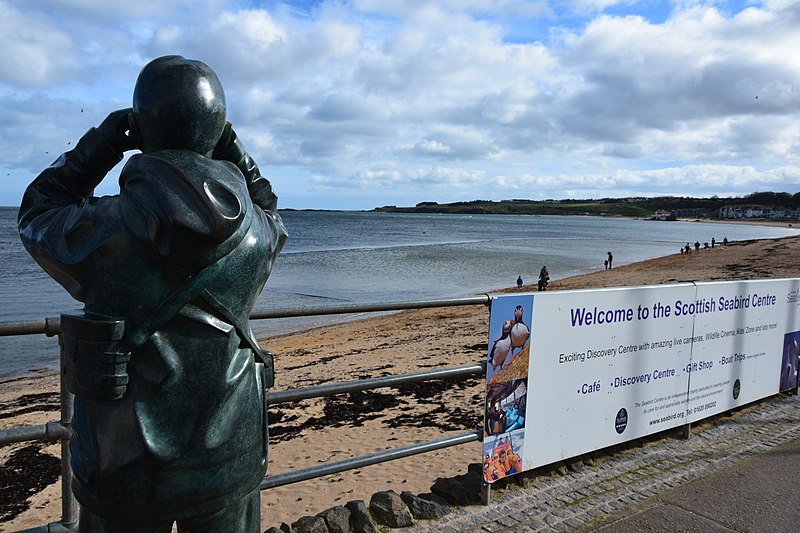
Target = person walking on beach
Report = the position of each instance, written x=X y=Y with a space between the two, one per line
x=519 y=282
x=610 y=259
x=168 y=271
x=544 y=278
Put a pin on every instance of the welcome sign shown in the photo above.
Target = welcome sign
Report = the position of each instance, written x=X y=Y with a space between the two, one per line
x=601 y=367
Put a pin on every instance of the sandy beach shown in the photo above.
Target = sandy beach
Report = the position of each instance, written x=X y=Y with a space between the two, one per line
x=316 y=431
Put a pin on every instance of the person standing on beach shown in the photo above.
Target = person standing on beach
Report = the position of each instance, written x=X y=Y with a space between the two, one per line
x=519 y=282
x=176 y=430
x=610 y=259
x=544 y=278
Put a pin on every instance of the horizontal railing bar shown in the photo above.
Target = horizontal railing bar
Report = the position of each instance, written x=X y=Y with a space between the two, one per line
x=279 y=480
x=56 y=431
x=10 y=436
x=369 y=308
x=23 y=328
x=319 y=391
x=51 y=431
x=52 y=326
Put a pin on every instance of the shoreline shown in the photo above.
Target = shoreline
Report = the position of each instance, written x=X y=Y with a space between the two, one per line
x=321 y=430
x=772 y=223
x=23 y=357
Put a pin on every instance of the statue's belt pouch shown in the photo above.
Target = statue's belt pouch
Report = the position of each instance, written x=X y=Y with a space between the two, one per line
x=268 y=369
x=95 y=366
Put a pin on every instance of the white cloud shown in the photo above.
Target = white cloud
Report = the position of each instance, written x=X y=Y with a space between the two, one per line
x=36 y=53
x=241 y=44
x=433 y=147
x=346 y=101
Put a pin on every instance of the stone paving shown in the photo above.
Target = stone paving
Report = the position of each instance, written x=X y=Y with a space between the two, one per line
x=579 y=500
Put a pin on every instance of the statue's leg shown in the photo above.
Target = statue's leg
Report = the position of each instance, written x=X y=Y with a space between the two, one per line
x=91 y=523
x=243 y=516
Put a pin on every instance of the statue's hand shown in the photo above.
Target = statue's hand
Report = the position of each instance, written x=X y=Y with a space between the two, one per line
x=230 y=148
x=113 y=130
x=223 y=150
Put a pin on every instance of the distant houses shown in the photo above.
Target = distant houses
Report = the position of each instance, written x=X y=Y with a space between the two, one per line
x=695 y=212
x=732 y=212
x=661 y=214
x=674 y=214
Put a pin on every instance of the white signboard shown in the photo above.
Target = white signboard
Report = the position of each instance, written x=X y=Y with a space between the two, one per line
x=740 y=351
x=575 y=371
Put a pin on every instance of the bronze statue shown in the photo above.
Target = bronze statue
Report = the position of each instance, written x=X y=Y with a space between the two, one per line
x=170 y=422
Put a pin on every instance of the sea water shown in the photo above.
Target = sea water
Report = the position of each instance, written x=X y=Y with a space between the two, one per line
x=365 y=257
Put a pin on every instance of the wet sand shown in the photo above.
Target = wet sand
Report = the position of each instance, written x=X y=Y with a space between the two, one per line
x=311 y=432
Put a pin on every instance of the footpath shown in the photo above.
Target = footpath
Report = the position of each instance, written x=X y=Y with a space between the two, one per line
x=735 y=473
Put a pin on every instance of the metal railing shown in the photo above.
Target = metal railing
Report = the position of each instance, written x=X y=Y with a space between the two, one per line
x=62 y=429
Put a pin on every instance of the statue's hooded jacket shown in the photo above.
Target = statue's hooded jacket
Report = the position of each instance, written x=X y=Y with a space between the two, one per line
x=190 y=434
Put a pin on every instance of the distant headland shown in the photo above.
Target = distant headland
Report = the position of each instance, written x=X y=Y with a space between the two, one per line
x=772 y=205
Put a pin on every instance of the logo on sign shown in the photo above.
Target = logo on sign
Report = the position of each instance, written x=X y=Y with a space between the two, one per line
x=621 y=421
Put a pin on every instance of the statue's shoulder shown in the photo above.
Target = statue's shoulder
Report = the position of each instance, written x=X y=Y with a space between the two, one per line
x=175 y=196
x=186 y=164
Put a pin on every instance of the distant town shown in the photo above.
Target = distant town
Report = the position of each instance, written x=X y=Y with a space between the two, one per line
x=759 y=205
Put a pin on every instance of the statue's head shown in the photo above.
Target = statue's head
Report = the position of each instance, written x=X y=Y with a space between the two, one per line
x=178 y=104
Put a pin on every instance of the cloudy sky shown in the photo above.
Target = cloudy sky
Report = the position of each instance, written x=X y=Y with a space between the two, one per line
x=354 y=104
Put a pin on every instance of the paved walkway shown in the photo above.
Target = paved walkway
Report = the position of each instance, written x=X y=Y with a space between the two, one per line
x=737 y=473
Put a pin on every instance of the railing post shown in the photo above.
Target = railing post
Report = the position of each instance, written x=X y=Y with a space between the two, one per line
x=486 y=493
x=69 y=506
